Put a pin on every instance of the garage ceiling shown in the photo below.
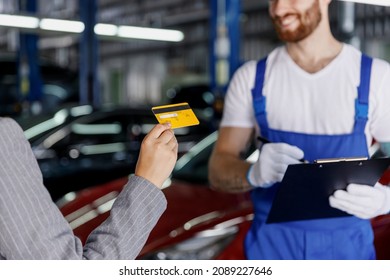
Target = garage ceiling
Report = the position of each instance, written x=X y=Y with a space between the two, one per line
x=191 y=17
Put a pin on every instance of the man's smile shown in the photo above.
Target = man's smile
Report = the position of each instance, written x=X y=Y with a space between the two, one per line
x=288 y=21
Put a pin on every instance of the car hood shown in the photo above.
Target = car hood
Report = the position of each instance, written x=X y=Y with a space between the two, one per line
x=190 y=207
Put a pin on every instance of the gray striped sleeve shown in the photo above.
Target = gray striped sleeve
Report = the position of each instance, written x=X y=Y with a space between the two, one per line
x=124 y=233
x=32 y=227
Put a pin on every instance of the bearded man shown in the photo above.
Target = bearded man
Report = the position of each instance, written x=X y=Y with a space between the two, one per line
x=314 y=97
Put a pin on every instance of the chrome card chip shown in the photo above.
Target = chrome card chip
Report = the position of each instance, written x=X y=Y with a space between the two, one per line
x=179 y=115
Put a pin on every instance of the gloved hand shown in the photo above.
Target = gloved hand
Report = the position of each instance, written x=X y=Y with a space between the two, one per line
x=362 y=201
x=272 y=164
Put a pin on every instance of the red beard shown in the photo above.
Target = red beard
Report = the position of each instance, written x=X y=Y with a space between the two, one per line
x=308 y=22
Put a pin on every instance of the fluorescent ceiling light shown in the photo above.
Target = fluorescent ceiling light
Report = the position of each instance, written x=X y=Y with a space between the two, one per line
x=19 y=21
x=371 y=2
x=150 y=33
x=102 y=29
x=62 y=25
x=106 y=29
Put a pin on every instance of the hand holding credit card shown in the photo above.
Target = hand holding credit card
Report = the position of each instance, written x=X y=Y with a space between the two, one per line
x=179 y=115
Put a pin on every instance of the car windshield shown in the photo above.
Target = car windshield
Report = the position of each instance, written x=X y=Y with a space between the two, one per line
x=39 y=126
x=193 y=166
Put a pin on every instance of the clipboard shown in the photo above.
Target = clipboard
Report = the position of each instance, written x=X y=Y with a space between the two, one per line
x=304 y=191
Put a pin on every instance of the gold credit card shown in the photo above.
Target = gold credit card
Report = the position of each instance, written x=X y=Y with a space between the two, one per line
x=179 y=115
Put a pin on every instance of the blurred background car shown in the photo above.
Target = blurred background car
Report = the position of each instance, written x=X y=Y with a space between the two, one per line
x=199 y=96
x=199 y=223
x=59 y=86
x=36 y=127
x=203 y=101
x=80 y=146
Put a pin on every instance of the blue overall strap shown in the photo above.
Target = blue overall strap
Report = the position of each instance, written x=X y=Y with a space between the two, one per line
x=361 y=103
x=259 y=98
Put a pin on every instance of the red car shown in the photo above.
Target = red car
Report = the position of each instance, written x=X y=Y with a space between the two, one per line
x=199 y=223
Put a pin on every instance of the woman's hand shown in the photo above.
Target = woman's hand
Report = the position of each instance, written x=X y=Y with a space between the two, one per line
x=158 y=155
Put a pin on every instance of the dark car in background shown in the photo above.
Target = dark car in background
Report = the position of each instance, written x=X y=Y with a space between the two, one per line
x=92 y=146
x=36 y=127
x=201 y=99
x=198 y=223
x=59 y=86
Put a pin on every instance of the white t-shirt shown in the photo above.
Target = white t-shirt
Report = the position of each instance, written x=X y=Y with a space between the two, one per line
x=319 y=103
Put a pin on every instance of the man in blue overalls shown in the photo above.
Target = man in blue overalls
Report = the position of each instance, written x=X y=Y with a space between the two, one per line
x=314 y=97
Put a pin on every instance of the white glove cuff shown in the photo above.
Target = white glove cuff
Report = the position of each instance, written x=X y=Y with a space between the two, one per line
x=385 y=209
x=252 y=178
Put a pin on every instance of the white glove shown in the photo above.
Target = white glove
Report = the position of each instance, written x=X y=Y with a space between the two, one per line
x=272 y=164
x=362 y=201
